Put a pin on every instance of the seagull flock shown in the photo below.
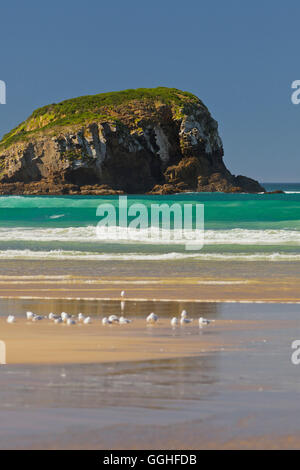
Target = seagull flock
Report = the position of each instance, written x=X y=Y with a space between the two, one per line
x=184 y=319
x=67 y=319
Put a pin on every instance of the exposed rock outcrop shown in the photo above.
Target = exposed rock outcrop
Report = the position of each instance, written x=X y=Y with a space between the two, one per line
x=157 y=141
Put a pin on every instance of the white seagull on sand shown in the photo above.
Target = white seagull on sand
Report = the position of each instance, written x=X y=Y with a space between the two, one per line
x=106 y=321
x=87 y=320
x=51 y=316
x=184 y=318
x=37 y=318
x=152 y=318
x=122 y=293
x=124 y=321
x=29 y=315
x=203 y=321
x=174 y=321
x=11 y=319
x=113 y=319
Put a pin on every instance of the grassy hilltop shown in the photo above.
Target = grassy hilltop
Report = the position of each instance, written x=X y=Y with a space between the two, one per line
x=101 y=107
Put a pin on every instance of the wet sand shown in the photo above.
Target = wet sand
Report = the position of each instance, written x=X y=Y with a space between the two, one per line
x=187 y=289
x=188 y=281
x=47 y=343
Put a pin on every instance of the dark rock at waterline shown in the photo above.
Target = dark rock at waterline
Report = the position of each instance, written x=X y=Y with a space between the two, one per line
x=277 y=191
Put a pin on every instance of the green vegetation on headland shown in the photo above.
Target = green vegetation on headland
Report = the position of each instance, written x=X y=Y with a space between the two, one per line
x=94 y=108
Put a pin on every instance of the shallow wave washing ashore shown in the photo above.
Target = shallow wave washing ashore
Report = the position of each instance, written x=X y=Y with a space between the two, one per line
x=81 y=255
x=211 y=237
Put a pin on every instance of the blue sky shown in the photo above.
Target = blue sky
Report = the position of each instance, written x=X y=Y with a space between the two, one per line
x=239 y=57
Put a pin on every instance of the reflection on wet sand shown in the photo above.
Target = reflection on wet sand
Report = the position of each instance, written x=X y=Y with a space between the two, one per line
x=157 y=383
x=100 y=308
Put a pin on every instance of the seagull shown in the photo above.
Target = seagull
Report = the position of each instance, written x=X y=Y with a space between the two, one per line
x=70 y=321
x=174 y=321
x=203 y=321
x=184 y=314
x=80 y=317
x=11 y=319
x=87 y=320
x=58 y=320
x=122 y=293
x=113 y=319
x=52 y=316
x=123 y=320
x=37 y=318
x=29 y=315
x=152 y=318
x=106 y=321
x=184 y=320
x=64 y=316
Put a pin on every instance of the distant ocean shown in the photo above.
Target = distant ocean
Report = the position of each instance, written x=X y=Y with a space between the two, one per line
x=237 y=227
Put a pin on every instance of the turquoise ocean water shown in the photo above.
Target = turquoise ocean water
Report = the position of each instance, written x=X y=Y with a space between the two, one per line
x=237 y=227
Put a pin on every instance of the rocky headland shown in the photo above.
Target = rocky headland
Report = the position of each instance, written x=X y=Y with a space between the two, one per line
x=155 y=141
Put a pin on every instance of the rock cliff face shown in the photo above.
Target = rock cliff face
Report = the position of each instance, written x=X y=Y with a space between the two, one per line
x=157 y=141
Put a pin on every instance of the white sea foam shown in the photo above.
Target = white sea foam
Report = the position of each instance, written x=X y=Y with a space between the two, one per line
x=56 y=216
x=252 y=237
x=80 y=255
x=211 y=237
